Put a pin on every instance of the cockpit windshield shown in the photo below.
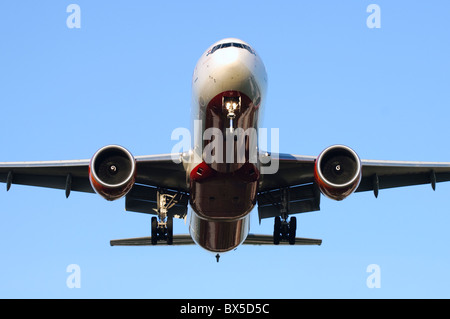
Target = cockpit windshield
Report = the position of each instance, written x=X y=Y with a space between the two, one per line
x=231 y=44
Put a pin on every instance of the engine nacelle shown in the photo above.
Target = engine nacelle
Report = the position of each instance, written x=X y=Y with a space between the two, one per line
x=112 y=172
x=337 y=171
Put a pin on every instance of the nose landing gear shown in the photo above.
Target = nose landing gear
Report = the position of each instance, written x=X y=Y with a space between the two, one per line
x=231 y=105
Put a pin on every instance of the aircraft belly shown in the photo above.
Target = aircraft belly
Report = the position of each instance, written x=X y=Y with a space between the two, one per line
x=223 y=196
x=219 y=235
x=221 y=204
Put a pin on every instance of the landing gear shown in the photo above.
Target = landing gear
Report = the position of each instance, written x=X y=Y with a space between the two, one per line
x=162 y=231
x=155 y=232
x=292 y=230
x=169 y=231
x=162 y=226
x=284 y=230
x=277 y=231
x=232 y=105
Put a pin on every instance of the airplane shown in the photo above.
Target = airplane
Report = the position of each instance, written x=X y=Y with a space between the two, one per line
x=225 y=174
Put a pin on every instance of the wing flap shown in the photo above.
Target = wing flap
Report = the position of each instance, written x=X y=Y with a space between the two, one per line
x=292 y=170
x=301 y=199
x=143 y=199
x=161 y=171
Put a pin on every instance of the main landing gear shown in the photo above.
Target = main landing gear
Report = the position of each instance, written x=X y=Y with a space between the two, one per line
x=162 y=230
x=284 y=230
x=162 y=226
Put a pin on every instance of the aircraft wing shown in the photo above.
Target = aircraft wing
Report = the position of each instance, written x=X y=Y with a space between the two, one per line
x=66 y=175
x=73 y=175
x=392 y=174
x=296 y=173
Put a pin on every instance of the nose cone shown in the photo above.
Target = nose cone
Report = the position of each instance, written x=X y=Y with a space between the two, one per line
x=228 y=56
x=229 y=65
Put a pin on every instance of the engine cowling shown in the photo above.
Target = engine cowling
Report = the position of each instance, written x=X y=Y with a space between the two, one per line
x=112 y=172
x=337 y=171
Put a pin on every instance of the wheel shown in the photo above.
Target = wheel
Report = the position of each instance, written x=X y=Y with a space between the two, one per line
x=154 y=230
x=277 y=230
x=169 y=230
x=292 y=230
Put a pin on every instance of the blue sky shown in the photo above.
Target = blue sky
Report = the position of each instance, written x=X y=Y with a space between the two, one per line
x=124 y=77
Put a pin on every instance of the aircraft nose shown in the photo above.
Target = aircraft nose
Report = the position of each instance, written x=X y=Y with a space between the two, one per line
x=232 y=65
x=228 y=56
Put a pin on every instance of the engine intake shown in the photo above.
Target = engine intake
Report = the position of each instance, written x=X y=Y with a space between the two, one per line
x=112 y=172
x=337 y=171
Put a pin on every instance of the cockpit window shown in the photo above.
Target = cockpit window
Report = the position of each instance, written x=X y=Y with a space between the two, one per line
x=231 y=44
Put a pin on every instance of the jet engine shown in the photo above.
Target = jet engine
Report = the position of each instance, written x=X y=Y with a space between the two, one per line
x=112 y=172
x=337 y=171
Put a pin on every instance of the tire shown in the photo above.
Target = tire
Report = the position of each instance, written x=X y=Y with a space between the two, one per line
x=276 y=230
x=292 y=230
x=154 y=230
x=169 y=230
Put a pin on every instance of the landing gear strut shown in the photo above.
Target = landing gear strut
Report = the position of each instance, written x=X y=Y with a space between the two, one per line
x=284 y=230
x=162 y=226
x=232 y=105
